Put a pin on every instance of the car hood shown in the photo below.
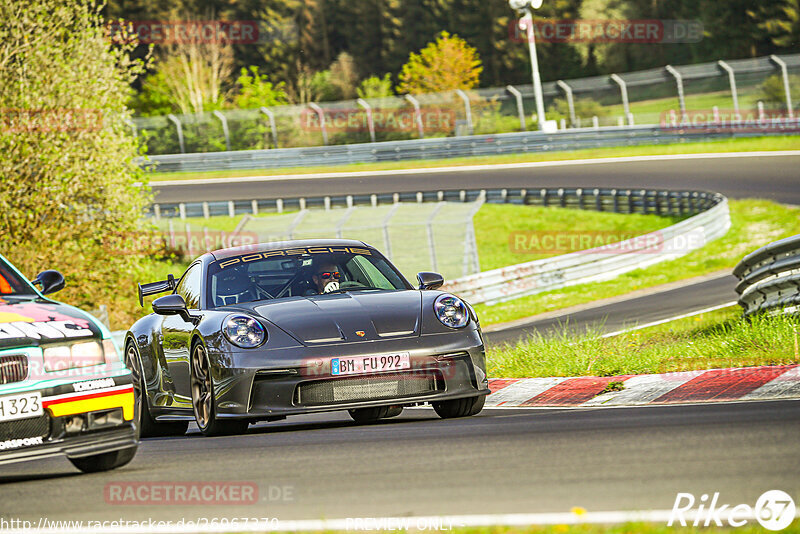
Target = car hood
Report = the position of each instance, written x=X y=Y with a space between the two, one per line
x=346 y=317
x=25 y=323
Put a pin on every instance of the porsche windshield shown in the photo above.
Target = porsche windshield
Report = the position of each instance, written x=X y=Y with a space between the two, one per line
x=11 y=284
x=279 y=274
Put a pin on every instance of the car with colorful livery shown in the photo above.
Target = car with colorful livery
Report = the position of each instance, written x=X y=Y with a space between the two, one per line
x=64 y=389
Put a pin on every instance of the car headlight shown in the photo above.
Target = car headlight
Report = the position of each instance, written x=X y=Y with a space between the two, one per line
x=244 y=331
x=451 y=311
x=62 y=357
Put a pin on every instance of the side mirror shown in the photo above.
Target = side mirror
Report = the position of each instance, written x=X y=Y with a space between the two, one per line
x=430 y=280
x=171 y=305
x=50 y=281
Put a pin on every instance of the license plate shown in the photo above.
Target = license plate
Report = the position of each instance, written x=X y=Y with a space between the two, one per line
x=370 y=364
x=15 y=407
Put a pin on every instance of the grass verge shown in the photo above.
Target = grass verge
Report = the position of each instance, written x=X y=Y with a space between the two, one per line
x=715 y=339
x=754 y=223
x=721 y=146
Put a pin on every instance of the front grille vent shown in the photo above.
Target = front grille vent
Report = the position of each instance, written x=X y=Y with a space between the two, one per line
x=365 y=388
x=13 y=369
x=33 y=427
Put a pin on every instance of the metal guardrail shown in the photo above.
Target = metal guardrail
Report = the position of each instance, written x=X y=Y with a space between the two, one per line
x=769 y=278
x=604 y=263
x=450 y=147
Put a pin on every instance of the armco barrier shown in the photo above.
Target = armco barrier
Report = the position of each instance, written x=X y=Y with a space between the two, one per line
x=450 y=147
x=769 y=278
x=599 y=264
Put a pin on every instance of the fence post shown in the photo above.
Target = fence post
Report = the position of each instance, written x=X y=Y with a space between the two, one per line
x=417 y=113
x=321 y=114
x=467 y=109
x=431 y=243
x=178 y=127
x=785 y=73
x=732 y=80
x=370 y=123
x=387 y=242
x=225 y=131
x=681 y=96
x=623 y=88
x=206 y=213
x=271 y=116
x=520 y=109
x=570 y=102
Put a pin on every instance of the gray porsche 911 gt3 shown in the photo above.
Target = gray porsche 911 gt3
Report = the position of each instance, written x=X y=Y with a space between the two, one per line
x=257 y=333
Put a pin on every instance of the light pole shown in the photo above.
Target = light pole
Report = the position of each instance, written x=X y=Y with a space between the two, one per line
x=525 y=9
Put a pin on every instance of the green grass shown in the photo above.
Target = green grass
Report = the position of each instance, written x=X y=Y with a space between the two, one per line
x=712 y=340
x=650 y=111
x=721 y=146
x=754 y=223
x=499 y=226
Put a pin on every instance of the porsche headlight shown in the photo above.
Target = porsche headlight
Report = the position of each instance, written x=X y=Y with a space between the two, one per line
x=62 y=357
x=451 y=311
x=244 y=331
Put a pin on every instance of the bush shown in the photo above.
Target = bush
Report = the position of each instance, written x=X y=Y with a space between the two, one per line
x=375 y=87
x=772 y=92
x=255 y=90
x=67 y=175
x=448 y=63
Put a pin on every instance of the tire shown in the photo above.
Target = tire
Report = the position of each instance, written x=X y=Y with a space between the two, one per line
x=146 y=426
x=459 y=407
x=205 y=411
x=105 y=461
x=370 y=415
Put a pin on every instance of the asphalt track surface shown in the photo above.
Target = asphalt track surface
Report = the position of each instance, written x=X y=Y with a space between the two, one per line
x=629 y=313
x=774 y=177
x=501 y=461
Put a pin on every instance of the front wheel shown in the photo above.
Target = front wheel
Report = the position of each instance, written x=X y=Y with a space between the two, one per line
x=205 y=411
x=460 y=407
x=146 y=426
x=105 y=461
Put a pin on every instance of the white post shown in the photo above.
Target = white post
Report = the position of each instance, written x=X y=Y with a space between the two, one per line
x=370 y=123
x=681 y=97
x=520 y=110
x=467 y=109
x=271 y=116
x=732 y=80
x=179 y=127
x=570 y=102
x=526 y=23
x=417 y=113
x=626 y=105
x=785 y=72
x=321 y=114
x=225 y=131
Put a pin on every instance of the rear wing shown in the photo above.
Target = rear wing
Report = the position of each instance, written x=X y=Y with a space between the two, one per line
x=154 y=288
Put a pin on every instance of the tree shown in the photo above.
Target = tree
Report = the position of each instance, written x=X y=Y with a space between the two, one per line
x=344 y=76
x=375 y=87
x=68 y=177
x=255 y=90
x=446 y=64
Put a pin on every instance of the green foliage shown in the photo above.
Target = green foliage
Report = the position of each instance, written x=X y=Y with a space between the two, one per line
x=446 y=64
x=154 y=99
x=255 y=90
x=585 y=108
x=376 y=87
x=67 y=175
x=773 y=94
x=343 y=76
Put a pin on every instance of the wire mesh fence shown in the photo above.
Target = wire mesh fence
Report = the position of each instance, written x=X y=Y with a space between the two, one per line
x=643 y=97
x=437 y=236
